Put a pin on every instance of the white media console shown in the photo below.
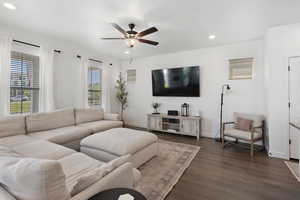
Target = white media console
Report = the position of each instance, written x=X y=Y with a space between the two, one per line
x=175 y=124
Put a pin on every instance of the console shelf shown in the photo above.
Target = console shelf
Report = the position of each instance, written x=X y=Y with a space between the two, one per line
x=175 y=124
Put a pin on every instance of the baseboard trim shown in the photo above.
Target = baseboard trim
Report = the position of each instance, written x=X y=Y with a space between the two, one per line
x=278 y=155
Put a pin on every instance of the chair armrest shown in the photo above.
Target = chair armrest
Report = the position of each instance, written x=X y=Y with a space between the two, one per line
x=256 y=128
x=228 y=123
x=111 y=116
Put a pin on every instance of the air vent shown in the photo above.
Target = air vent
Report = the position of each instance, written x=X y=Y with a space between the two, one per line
x=131 y=75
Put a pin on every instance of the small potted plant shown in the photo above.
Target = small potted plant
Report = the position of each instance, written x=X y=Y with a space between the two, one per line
x=155 y=106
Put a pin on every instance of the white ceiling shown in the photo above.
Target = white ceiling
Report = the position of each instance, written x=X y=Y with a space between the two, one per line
x=183 y=25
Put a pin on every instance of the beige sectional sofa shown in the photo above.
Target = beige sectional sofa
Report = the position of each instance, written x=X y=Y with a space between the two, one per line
x=56 y=136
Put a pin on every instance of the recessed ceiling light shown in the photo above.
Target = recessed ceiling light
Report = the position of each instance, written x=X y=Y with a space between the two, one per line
x=127 y=52
x=9 y=6
x=212 y=37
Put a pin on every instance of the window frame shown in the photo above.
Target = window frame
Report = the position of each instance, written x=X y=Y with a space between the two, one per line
x=22 y=88
x=92 y=68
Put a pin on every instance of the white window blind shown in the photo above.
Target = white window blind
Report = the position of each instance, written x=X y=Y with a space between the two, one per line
x=24 y=83
x=240 y=68
x=94 y=86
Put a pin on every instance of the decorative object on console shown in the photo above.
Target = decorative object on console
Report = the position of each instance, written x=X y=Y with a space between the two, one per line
x=185 y=110
x=155 y=106
x=173 y=112
x=122 y=94
x=227 y=87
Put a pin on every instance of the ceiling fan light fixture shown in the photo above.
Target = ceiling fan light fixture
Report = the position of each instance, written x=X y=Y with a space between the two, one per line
x=130 y=42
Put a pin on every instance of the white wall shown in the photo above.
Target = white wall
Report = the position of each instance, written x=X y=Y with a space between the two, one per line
x=246 y=95
x=66 y=65
x=281 y=43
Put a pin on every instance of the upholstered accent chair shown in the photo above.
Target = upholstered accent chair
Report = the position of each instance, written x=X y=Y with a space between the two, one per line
x=251 y=130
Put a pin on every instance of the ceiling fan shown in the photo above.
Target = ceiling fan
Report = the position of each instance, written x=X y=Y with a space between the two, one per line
x=131 y=36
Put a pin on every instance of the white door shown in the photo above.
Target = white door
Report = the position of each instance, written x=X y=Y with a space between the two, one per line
x=294 y=93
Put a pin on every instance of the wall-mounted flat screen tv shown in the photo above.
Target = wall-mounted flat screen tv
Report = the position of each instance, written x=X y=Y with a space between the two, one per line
x=176 y=82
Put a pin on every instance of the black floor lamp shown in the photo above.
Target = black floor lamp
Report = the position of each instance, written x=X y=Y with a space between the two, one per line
x=227 y=87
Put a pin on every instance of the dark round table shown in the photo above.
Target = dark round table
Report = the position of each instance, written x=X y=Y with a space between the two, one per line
x=114 y=194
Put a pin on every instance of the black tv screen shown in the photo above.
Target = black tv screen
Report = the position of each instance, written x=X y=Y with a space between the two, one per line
x=177 y=82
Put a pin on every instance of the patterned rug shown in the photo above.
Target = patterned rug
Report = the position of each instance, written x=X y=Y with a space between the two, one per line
x=160 y=174
x=294 y=168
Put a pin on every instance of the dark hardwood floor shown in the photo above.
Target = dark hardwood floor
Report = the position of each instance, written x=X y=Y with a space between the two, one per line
x=230 y=174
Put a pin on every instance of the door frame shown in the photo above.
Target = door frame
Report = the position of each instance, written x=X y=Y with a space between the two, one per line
x=289 y=100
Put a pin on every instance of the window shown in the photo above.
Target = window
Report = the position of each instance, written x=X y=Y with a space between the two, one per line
x=24 y=83
x=94 y=84
x=240 y=68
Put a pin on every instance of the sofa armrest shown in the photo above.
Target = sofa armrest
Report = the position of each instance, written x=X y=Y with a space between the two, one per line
x=121 y=177
x=111 y=116
x=4 y=195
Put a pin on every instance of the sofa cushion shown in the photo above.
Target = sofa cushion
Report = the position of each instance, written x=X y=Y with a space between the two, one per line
x=5 y=151
x=33 y=179
x=119 y=141
x=16 y=140
x=102 y=125
x=51 y=120
x=63 y=135
x=83 y=115
x=243 y=135
x=112 y=117
x=43 y=150
x=12 y=125
x=77 y=165
x=113 y=164
x=88 y=179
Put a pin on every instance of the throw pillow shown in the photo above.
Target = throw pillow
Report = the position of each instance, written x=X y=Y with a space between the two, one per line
x=244 y=124
x=33 y=179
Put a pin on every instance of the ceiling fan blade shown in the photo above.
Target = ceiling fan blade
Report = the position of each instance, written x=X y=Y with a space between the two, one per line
x=147 y=32
x=148 y=42
x=116 y=26
x=112 y=38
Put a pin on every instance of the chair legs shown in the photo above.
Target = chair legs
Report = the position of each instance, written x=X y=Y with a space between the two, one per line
x=252 y=149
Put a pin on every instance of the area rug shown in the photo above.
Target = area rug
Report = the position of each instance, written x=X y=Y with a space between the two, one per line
x=160 y=174
x=294 y=168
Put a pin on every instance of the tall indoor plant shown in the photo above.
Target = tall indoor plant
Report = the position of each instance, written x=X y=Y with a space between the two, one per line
x=122 y=94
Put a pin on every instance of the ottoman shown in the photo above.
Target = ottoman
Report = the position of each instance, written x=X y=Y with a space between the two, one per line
x=111 y=144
